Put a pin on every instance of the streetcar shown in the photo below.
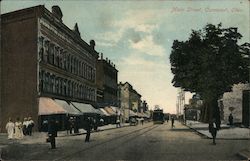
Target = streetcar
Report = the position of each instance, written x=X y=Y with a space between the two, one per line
x=158 y=116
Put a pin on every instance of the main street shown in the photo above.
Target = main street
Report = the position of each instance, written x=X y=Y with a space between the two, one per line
x=141 y=142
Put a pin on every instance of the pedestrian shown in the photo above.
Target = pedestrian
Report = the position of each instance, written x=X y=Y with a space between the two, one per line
x=88 y=129
x=18 y=129
x=101 y=121
x=30 y=126
x=25 y=126
x=76 y=128
x=71 y=125
x=52 y=133
x=213 y=129
x=10 y=126
x=172 y=121
x=230 y=119
x=118 y=123
x=142 y=121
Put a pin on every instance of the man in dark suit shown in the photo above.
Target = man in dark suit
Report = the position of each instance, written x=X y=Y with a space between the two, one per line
x=213 y=127
x=88 y=129
x=52 y=132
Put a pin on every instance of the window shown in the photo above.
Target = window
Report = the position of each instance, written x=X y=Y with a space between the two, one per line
x=41 y=48
x=46 y=48
x=57 y=56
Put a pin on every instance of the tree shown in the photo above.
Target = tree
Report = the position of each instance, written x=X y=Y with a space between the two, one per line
x=209 y=63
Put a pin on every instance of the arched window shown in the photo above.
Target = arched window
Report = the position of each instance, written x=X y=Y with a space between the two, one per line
x=41 y=48
x=57 y=56
x=68 y=62
x=68 y=88
x=65 y=60
x=74 y=69
x=61 y=86
x=53 y=84
x=46 y=53
x=57 y=85
x=71 y=64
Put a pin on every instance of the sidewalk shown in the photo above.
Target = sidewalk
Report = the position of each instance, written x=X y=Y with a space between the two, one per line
x=40 y=137
x=225 y=133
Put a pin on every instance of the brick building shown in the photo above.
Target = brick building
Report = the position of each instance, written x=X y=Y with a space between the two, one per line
x=106 y=81
x=42 y=57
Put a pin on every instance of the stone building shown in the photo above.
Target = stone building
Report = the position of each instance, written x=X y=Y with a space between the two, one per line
x=129 y=99
x=234 y=100
x=106 y=81
x=42 y=57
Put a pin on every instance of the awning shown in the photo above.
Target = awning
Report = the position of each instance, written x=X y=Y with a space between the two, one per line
x=47 y=106
x=116 y=110
x=85 y=108
x=104 y=112
x=140 y=114
x=70 y=109
x=132 y=113
x=110 y=111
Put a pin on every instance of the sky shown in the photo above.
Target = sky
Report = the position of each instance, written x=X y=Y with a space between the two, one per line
x=137 y=35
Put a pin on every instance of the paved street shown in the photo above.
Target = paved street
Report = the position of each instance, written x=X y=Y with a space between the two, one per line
x=147 y=142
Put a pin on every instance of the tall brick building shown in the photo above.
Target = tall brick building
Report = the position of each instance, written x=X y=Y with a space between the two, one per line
x=42 y=57
x=106 y=80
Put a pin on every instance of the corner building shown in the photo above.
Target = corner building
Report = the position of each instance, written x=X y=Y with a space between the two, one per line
x=42 y=57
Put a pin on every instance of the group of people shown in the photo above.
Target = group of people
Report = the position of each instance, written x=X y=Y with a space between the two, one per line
x=19 y=129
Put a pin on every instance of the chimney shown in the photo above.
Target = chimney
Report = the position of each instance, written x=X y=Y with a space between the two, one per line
x=92 y=44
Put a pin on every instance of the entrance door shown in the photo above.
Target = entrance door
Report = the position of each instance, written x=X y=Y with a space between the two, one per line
x=246 y=108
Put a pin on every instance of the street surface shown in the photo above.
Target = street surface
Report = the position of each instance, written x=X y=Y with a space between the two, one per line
x=141 y=142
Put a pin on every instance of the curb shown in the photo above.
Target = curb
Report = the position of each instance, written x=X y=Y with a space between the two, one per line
x=207 y=137
x=244 y=154
x=201 y=134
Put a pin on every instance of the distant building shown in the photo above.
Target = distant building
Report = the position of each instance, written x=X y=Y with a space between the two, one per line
x=42 y=57
x=129 y=99
x=106 y=80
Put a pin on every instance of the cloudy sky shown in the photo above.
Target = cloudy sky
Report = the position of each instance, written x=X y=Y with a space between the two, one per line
x=137 y=35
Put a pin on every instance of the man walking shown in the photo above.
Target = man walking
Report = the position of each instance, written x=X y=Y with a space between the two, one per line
x=88 y=129
x=30 y=126
x=213 y=130
x=52 y=133
x=230 y=119
x=172 y=121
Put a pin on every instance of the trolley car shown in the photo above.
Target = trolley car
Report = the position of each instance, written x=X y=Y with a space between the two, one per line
x=158 y=116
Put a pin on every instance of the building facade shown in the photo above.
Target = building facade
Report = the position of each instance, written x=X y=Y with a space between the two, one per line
x=129 y=99
x=42 y=57
x=106 y=81
x=233 y=103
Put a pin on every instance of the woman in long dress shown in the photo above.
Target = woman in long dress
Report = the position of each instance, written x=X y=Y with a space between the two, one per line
x=18 y=129
x=10 y=129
